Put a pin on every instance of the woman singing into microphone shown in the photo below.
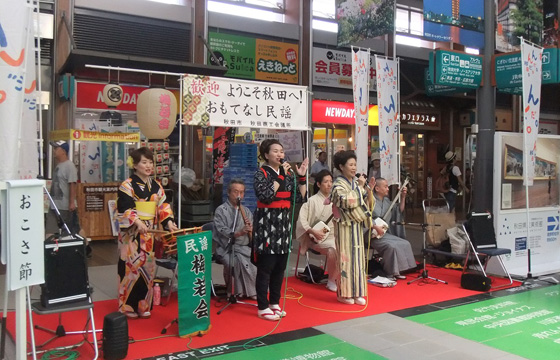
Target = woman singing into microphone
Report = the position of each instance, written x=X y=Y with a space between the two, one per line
x=274 y=188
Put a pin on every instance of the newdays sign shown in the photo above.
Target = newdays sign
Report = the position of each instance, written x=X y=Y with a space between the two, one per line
x=338 y=112
x=90 y=96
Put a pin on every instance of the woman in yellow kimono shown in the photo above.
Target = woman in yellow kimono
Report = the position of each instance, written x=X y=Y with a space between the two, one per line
x=352 y=216
x=141 y=205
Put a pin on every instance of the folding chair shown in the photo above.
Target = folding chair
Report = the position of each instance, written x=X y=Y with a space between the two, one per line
x=482 y=240
x=307 y=269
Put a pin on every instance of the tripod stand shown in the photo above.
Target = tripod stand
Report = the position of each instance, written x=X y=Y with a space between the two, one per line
x=424 y=275
x=232 y=298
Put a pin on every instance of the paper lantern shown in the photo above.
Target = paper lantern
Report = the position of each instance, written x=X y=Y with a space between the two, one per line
x=112 y=95
x=156 y=112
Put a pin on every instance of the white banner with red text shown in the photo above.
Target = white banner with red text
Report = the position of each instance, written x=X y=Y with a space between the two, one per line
x=214 y=101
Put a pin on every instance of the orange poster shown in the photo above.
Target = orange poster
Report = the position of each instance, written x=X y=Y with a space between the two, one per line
x=276 y=61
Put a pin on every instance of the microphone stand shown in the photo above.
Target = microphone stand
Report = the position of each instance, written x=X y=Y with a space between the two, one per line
x=232 y=299
x=424 y=275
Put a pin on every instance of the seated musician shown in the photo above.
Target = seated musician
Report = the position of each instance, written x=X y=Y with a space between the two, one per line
x=245 y=272
x=312 y=212
x=394 y=249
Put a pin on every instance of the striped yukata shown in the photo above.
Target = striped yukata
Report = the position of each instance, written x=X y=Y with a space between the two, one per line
x=351 y=217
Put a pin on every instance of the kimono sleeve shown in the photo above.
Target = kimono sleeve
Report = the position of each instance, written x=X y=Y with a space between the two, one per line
x=126 y=206
x=264 y=187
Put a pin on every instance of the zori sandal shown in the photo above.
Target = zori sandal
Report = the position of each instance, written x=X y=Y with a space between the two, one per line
x=277 y=310
x=268 y=314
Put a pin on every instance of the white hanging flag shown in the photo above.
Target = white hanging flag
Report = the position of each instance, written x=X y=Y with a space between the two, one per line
x=360 y=77
x=18 y=102
x=388 y=108
x=531 y=71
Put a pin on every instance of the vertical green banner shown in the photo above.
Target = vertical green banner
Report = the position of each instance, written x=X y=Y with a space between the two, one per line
x=235 y=52
x=194 y=253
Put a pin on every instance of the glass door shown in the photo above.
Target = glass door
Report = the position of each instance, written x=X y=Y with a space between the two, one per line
x=413 y=165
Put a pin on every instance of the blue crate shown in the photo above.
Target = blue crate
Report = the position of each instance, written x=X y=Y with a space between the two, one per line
x=243 y=163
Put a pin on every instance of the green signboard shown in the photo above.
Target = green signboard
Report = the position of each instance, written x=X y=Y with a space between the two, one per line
x=195 y=268
x=507 y=70
x=526 y=324
x=435 y=89
x=235 y=52
x=453 y=68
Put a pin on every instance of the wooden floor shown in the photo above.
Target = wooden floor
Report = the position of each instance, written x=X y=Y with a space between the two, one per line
x=104 y=252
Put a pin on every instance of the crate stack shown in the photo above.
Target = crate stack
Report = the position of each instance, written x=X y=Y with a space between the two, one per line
x=242 y=165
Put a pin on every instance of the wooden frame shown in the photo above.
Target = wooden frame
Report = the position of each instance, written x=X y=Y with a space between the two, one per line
x=513 y=166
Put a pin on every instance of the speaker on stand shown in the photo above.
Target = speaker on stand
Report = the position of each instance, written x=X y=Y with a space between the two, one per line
x=115 y=336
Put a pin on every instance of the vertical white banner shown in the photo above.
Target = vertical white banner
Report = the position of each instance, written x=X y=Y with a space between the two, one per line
x=531 y=71
x=28 y=167
x=17 y=88
x=388 y=109
x=360 y=77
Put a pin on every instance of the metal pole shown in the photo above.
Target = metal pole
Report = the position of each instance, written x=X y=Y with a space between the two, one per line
x=483 y=193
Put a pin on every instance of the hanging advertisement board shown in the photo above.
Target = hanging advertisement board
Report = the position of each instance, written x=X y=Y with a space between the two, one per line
x=256 y=59
x=333 y=68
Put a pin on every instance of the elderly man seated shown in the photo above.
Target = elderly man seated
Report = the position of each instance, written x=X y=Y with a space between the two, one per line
x=245 y=272
x=311 y=212
x=394 y=249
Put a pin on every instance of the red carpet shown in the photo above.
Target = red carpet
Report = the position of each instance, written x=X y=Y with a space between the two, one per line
x=240 y=322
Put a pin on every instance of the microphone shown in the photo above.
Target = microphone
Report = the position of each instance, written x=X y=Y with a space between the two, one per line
x=282 y=161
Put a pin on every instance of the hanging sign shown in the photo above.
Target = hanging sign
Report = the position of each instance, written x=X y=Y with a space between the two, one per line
x=333 y=68
x=507 y=70
x=83 y=135
x=215 y=101
x=454 y=68
x=435 y=89
x=195 y=269
x=250 y=58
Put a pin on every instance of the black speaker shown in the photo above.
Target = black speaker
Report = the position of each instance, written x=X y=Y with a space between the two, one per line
x=115 y=336
x=477 y=282
x=66 y=278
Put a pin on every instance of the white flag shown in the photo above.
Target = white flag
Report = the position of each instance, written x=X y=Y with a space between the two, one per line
x=531 y=71
x=360 y=76
x=388 y=108
x=18 y=101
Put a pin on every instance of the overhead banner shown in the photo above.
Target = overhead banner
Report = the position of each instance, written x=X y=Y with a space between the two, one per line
x=333 y=68
x=18 y=95
x=360 y=20
x=195 y=274
x=461 y=22
x=215 y=101
x=388 y=104
x=360 y=71
x=531 y=57
x=250 y=58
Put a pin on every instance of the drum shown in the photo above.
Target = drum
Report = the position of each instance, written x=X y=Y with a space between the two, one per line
x=169 y=240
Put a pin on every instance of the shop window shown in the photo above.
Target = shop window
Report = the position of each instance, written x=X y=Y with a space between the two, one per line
x=268 y=10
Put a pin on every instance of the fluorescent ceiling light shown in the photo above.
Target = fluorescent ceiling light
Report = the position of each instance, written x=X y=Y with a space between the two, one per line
x=325 y=25
x=473 y=51
x=410 y=41
x=240 y=10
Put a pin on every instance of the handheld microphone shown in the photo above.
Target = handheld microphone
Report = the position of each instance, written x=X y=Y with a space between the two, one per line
x=282 y=161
